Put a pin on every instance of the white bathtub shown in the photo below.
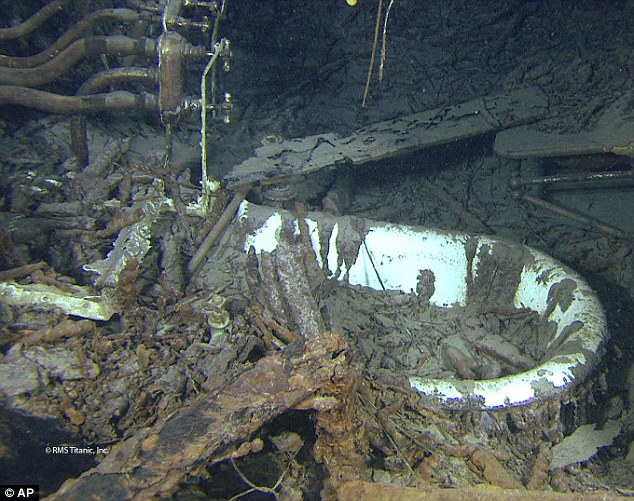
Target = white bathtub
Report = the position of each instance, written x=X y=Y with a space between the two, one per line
x=390 y=256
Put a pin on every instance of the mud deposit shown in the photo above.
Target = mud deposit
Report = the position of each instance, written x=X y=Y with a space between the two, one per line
x=397 y=337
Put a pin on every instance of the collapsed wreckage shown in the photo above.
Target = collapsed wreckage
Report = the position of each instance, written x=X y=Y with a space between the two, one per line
x=355 y=358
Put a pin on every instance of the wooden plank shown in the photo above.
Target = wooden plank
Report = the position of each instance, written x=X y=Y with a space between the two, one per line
x=276 y=162
x=614 y=133
x=521 y=142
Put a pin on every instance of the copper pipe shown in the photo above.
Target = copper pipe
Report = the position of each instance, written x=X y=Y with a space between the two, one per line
x=117 y=75
x=32 y=22
x=78 y=134
x=115 y=45
x=124 y=15
x=57 y=103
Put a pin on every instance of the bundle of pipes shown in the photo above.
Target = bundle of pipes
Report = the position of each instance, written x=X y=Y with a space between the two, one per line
x=21 y=78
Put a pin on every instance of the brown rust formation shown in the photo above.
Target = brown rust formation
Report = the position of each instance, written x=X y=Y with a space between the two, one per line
x=215 y=426
x=280 y=356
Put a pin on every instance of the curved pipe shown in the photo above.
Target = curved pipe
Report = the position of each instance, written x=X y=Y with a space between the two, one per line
x=118 y=75
x=57 y=103
x=115 y=45
x=78 y=134
x=123 y=15
x=32 y=22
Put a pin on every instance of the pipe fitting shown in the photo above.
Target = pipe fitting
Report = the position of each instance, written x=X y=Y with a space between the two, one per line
x=171 y=66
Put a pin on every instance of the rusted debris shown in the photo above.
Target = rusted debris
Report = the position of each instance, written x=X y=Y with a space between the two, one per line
x=280 y=283
x=294 y=283
x=355 y=490
x=121 y=219
x=65 y=328
x=101 y=175
x=270 y=329
x=494 y=471
x=342 y=441
x=20 y=271
x=308 y=370
x=213 y=427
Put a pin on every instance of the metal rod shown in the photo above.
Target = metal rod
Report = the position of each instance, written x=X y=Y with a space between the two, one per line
x=206 y=185
x=376 y=272
x=216 y=231
x=595 y=176
x=212 y=43
x=575 y=216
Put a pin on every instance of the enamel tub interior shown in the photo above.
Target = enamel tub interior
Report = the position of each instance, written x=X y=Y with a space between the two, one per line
x=381 y=255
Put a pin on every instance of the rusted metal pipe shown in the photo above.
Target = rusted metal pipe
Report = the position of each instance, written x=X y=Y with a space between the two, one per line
x=56 y=103
x=122 y=15
x=216 y=231
x=99 y=81
x=32 y=22
x=115 y=45
x=113 y=76
x=517 y=185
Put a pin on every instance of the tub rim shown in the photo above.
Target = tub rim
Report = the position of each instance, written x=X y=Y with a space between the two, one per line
x=567 y=366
